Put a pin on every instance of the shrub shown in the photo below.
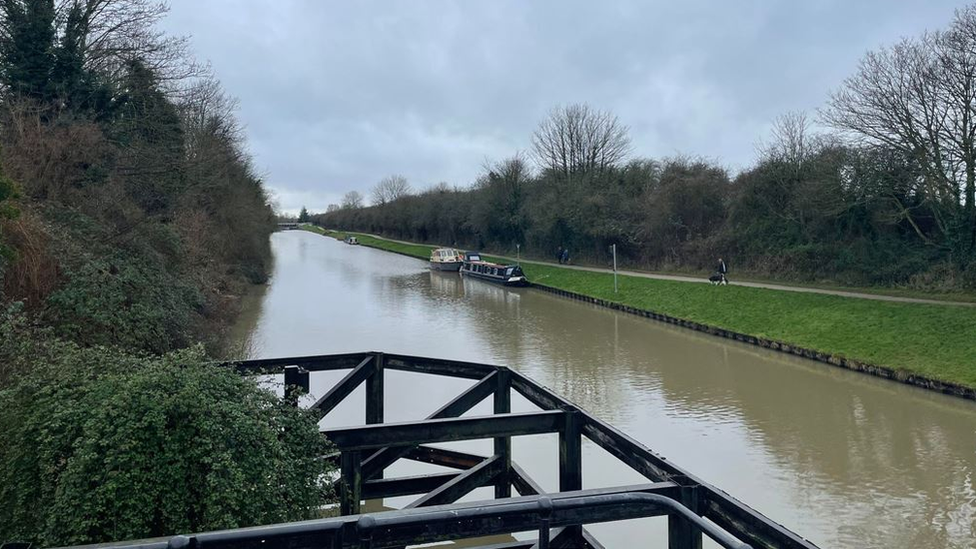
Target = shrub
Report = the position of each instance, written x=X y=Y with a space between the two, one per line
x=106 y=446
x=124 y=301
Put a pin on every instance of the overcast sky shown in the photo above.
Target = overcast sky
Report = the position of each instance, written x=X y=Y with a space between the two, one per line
x=335 y=95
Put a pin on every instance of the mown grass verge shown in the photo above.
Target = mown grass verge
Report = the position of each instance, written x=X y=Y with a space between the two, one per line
x=934 y=341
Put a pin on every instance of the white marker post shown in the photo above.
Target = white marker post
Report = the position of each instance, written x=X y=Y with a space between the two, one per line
x=518 y=254
x=614 y=247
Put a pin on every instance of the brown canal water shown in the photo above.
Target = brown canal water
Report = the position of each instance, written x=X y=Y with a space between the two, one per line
x=841 y=458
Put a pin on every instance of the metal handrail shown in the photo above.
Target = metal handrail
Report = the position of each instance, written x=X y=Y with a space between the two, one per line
x=334 y=532
x=544 y=508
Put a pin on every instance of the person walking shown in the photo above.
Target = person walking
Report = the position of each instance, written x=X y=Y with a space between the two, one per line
x=565 y=257
x=559 y=255
x=722 y=269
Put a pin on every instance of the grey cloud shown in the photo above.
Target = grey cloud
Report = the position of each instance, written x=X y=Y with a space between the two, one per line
x=336 y=95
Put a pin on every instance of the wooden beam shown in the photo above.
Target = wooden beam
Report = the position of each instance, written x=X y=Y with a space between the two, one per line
x=503 y=445
x=747 y=524
x=523 y=483
x=527 y=486
x=629 y=451
x=682 y=534
x=436 y=366
x=461 y=485
x=374 y=392
x=406 y=486
x=314 y=363
x=571 y=453
x=443 y=457
x=537 y=394
x=571 y=465
x=344 y=388
x=351 y=483
x=435 y=456
x=385 y=457
x=443 y=430
x=296 y=383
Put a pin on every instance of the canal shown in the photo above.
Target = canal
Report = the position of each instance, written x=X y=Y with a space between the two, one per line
x=841 y=458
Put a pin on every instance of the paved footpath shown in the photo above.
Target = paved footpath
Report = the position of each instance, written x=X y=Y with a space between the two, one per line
x=768 y=286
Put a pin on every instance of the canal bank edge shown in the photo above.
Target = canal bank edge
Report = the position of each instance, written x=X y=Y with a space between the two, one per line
x=903 y=376
x=885 y=372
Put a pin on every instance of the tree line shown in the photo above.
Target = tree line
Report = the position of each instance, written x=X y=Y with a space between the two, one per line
x=884 y=194
x=141 y=217
x=131 y=222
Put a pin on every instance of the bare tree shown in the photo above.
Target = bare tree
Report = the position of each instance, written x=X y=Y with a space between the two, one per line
x=389 y=189
x=352 y=200
x=332 y=208
x=792 y=139
x=578 y=139
x=111 y=33
x=919 y=98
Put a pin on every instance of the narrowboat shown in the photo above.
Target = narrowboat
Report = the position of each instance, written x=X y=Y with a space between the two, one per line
x=351 y=240
x=509 y=275
x=446 y=259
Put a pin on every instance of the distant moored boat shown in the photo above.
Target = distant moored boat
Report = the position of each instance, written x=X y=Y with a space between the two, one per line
x=509 y=275
x=445 y=259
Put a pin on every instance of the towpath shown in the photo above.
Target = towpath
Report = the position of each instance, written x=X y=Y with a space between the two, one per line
x=700 y=280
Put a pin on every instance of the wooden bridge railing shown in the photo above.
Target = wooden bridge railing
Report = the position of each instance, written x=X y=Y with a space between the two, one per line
x=366 y=451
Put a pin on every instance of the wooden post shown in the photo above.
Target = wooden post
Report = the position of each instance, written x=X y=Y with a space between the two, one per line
x=571 y=461
x=503 y=445
x=351 y=483
x=681 y=533
x=374 y=392
x=296 y=381
x=374 y=396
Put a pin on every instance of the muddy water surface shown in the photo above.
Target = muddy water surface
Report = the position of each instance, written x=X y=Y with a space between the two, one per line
x=841 y=458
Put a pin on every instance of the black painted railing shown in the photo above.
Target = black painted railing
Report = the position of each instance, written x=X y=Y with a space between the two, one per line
x=694 y=508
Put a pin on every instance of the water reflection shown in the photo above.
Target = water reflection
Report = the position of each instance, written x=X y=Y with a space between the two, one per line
x=842 y=458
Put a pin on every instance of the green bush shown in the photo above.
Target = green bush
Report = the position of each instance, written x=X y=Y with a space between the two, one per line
x=98 y=445
x=124 y=301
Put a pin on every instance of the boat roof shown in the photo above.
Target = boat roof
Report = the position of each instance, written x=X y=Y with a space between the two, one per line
x=506 y=265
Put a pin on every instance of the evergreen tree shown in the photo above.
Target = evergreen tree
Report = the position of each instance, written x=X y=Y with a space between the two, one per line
x=27 y=47
x=148 y=128
x=78 y=88
x=303 y=215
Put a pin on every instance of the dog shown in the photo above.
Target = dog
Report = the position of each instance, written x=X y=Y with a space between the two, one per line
x=717 y=279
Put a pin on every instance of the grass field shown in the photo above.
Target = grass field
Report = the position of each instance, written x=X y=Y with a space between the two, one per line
x=936 y=341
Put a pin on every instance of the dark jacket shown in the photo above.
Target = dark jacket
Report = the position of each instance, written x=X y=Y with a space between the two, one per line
x=722 y=268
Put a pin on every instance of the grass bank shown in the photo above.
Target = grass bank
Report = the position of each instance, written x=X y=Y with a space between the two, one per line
x=934 y=341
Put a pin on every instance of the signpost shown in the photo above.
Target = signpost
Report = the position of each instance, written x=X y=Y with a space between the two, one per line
x=614 y=248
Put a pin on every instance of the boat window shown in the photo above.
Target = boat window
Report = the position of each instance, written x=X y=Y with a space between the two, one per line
x=508 y=272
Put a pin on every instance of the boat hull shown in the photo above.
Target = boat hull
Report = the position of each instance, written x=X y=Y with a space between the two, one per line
x=454 y=266
x=498 y=279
